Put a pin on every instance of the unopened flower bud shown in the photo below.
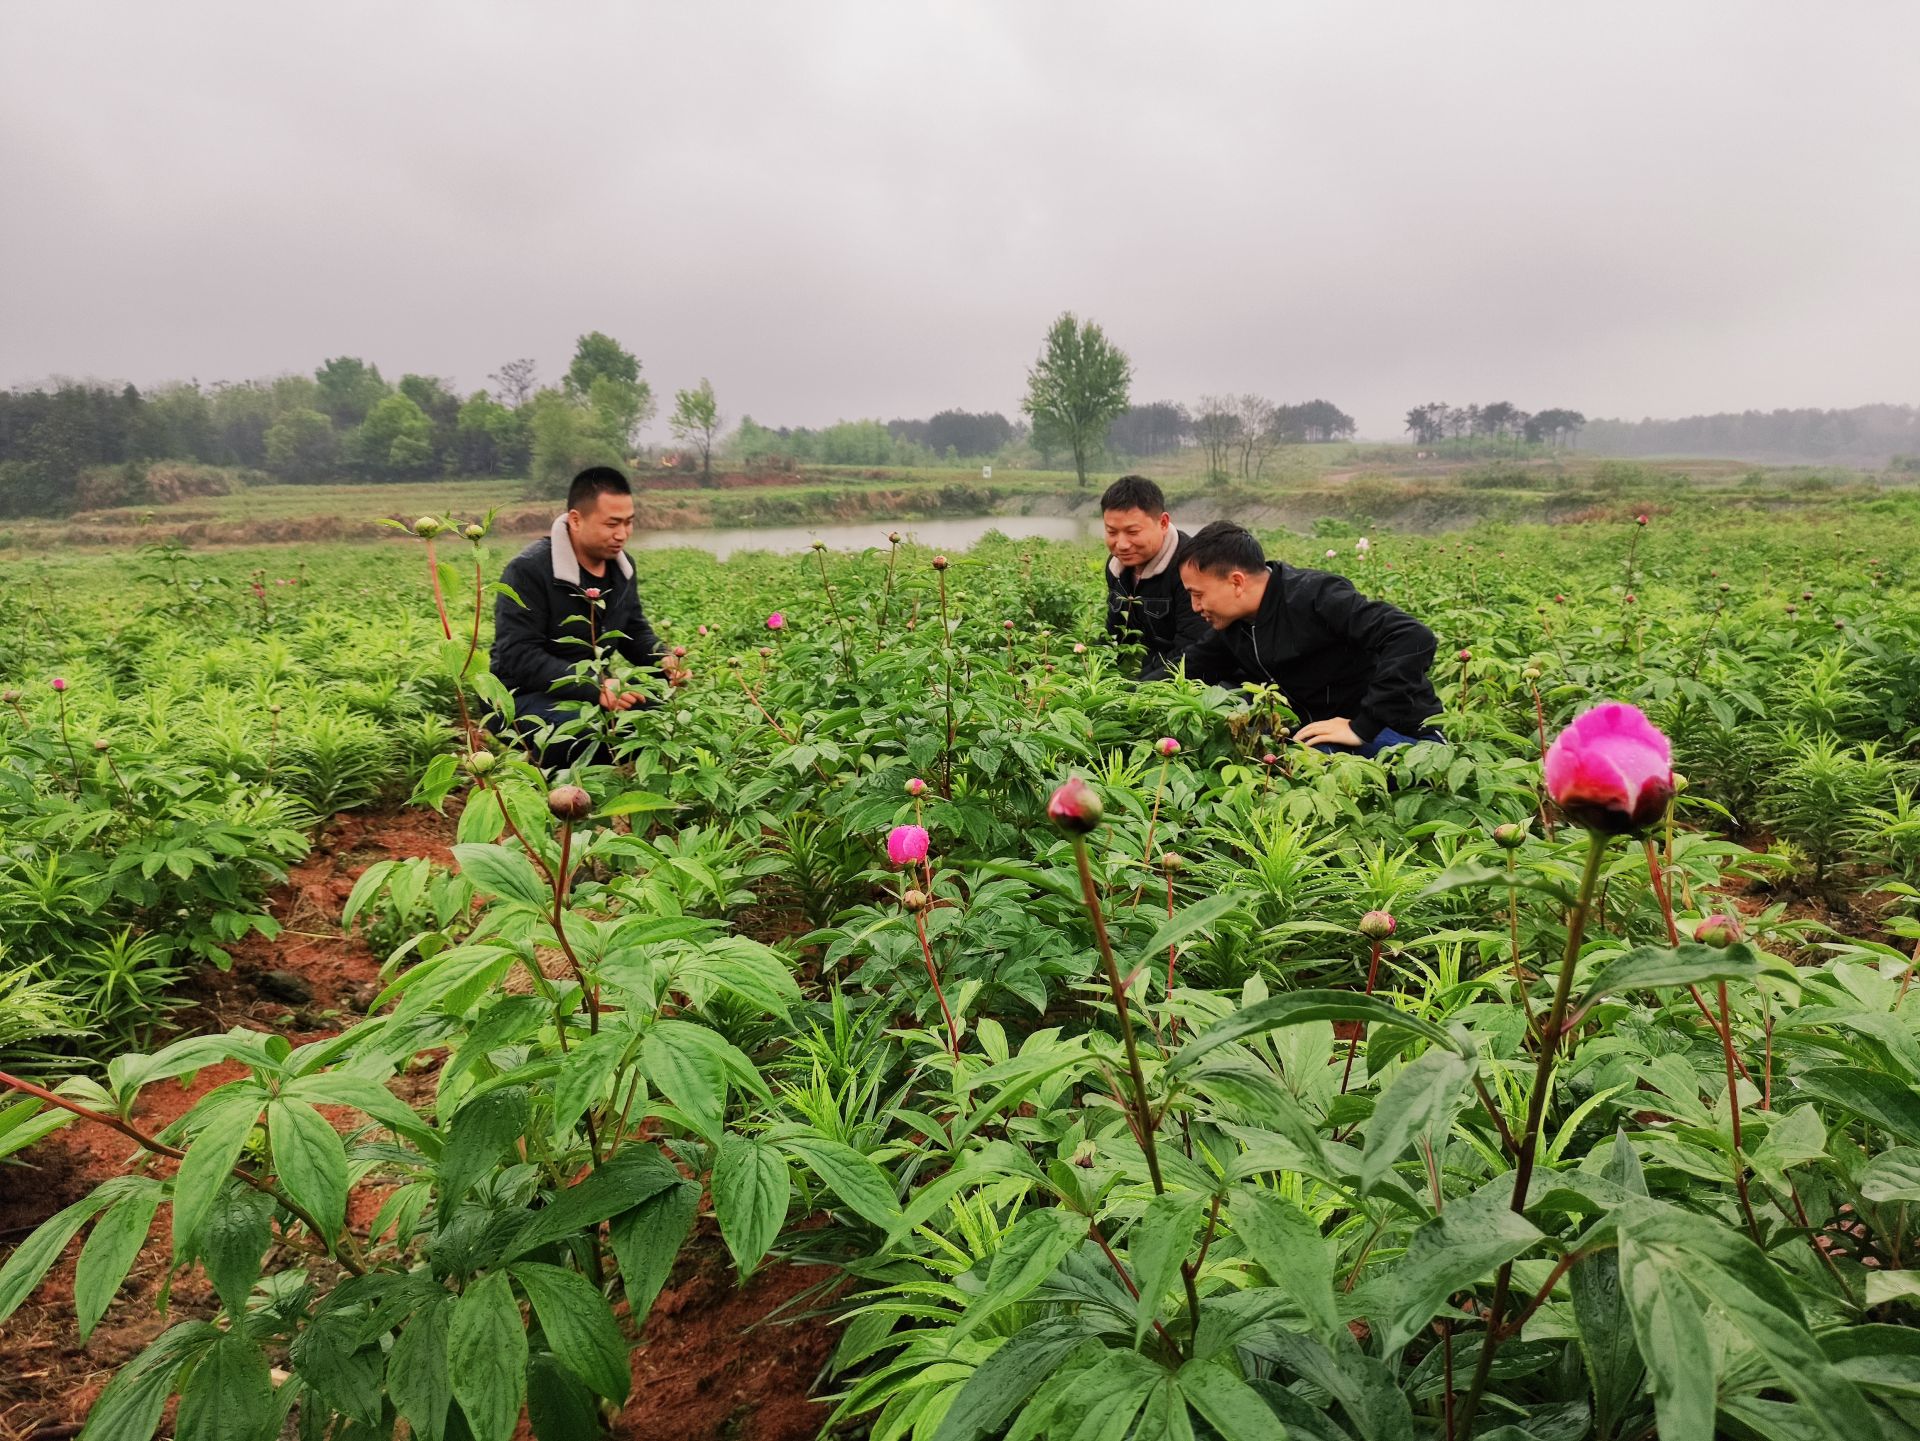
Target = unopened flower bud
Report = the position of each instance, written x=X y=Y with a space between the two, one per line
x=1640 y=520
x=427 y=527
x=1532 y=672
x=1510 y=837
x=916 y=787
x=679 y=652
x=733 y=662
x=1172 y=861
x=475 y=532
x=1269 y=759
x=1075 y=807
x=914 y=900
x=1377 y=925
x=478 y=763
x=569 y=803
x=1464 y=656
x=100 y=745
x=1166 y=745
x=591 y=592
x=939 y=562
x=819 y=544
x=1006 y=625
x=1083 y=1155
x=893 y=537
x=1719 y=931
x=59 y=683
x=11 y=697
x=1079 y=648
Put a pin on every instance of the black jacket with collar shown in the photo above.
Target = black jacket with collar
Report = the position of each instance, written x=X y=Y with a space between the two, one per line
x=1155 y=614
x=1331 y=650
x=539 y=640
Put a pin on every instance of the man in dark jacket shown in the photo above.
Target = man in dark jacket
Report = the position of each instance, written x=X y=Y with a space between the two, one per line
x=1355 y=670
x=1146 y=603
x=576 y=600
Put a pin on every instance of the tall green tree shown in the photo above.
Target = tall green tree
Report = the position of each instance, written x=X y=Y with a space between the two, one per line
x=349 y=389
x=1077 y=386
x=395 y=441
x=566 y=440
x=302 y=446
x=695 y=421
x=605 y=378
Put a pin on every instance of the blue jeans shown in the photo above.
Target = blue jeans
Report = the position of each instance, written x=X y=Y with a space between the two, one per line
x=1387 y=738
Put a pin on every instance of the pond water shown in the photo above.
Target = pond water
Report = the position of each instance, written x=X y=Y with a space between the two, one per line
x=944 y=534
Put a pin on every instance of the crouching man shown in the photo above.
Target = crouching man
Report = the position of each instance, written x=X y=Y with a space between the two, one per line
x=1146 y=603
x=574 y=587
x=1354 y=669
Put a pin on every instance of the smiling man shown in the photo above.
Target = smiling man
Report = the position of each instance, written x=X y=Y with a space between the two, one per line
x=1146 y=603
x=1353 y=669
x=574 y=585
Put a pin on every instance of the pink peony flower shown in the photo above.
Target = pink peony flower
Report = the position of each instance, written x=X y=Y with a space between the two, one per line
x=1378 y=925
x=1076 y=807
x=1362 y=545
x=1639 y=520
x=1719 y=931
x=776 y=621
x=916 y=787
x=907 y=844
x=1166 y=745
x=591 y=592
x=1611 y=770
x=59 y=682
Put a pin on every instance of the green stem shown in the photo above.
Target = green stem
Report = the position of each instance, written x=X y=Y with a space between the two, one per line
x=1142 y=1107
x=1536 y=1115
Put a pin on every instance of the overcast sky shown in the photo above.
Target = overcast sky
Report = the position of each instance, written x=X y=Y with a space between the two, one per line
x=844 y=210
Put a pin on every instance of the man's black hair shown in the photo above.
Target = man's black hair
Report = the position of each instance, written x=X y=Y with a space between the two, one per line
x=1221 y=548
x=592 y=483
x=1134 y=492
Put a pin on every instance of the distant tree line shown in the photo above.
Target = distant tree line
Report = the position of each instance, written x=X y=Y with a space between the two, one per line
x=1500 y=421
x=345 y=421
x=1865 y=432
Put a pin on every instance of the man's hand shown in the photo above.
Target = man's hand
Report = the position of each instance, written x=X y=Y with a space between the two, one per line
x=1334 y=731
x=613 y=698
x=677 y=675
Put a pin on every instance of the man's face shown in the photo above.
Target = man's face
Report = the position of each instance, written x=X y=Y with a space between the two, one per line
x=1134 y=537
x=600 y=529
x=1219 y=600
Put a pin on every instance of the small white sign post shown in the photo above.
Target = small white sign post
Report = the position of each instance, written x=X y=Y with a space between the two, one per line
x=986 y=472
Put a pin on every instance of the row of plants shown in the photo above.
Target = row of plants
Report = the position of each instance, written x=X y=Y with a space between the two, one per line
x=1261 y=1093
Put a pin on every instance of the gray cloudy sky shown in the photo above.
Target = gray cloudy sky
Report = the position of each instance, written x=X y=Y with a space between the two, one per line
x=839 y=210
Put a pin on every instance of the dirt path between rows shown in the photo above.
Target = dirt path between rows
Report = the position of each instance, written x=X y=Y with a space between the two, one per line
x=713 y=1362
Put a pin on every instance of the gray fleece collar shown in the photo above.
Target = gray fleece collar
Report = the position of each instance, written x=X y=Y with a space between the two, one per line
x=566 y=565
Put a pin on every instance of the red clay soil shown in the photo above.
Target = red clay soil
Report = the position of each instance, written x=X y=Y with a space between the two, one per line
x=702 y=1370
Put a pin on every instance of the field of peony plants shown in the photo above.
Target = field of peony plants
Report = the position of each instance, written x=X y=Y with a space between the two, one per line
x=1126 y=1071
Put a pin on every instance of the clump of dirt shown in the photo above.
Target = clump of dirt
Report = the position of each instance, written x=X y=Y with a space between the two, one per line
x=51 y=1380
x=713 y=1361
x=716 y=1359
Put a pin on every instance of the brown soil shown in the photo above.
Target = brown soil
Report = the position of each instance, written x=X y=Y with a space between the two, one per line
x=701 y=1370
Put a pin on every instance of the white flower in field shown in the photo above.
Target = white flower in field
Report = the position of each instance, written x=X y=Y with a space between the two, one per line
x=1362 y=546
x=1332 y=554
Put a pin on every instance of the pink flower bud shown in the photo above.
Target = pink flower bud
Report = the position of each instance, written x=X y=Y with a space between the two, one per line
x=1166 y=745
x=776 y=621
x=1079 y=649
x=1640 y=520
x=1269 y=759
x=569 y=803
x=916 y=787
x=679 y=652
x=59 y=682
x=1719 y=931
x=907 y=844
x=1611 y=770
x=703 y=630
x=1465 y=655
x=591 y=592
x=939 y=562
x=1377 y=925
x=1075 y=807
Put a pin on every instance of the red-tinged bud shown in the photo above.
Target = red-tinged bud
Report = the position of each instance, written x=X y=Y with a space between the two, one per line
x=569 y=803
x=1720 y=931
x=1377 y=925
x=916 y=787
x=914 y=900
x=939 y=562
x=1510 y=837
x=1075 y=807
x=1166 y=745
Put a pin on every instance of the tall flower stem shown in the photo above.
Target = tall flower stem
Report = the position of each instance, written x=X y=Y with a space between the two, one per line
x=1353 y=1041
x=946 y=652
x=1529 y=1144
x=66 y=736
x=1656 y=874
x=1141 y=1106
x=833 y=609
x=1540 y=721
x=439 y=596
x=933 y=974
x=886 y=596
x=1153 y=820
